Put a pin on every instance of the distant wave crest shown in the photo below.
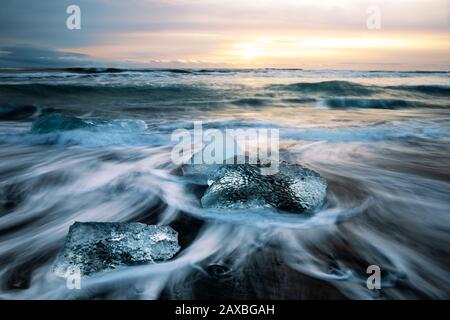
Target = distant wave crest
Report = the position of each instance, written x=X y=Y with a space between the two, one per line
x=376 y=103
x=329 y=87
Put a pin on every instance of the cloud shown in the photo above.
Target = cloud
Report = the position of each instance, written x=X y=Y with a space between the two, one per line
x=132 y=32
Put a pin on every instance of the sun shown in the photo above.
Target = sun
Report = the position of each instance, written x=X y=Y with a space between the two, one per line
x=249 y=50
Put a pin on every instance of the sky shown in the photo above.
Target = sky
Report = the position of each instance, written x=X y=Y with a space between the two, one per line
x=314 y=34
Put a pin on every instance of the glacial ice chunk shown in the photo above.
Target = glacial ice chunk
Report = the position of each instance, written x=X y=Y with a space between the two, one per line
x=242 y=186
x=97 y=246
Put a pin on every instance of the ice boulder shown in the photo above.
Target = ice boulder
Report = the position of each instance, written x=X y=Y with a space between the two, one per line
x=97 y=246
x=243 y=186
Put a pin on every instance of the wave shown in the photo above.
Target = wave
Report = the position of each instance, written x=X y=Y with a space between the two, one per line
x=252 y=102
x=383 y=132
x=19 y=112
x=160 y=92
x=64 y=130
x=329 y=87
x=87 y=139
x=170 y=91
x=411 y=71
x=298 y=100
x=346 y=88
x=119 y=70
x=376 y=103
x=56 y=129
x=94 y=70
x=441 y=90
x=99 y=70
x=52 y=123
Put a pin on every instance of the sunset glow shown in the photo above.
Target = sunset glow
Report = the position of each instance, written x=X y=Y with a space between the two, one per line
x=269 y=33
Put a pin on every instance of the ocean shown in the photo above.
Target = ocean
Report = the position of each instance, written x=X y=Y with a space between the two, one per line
x=379 y=138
